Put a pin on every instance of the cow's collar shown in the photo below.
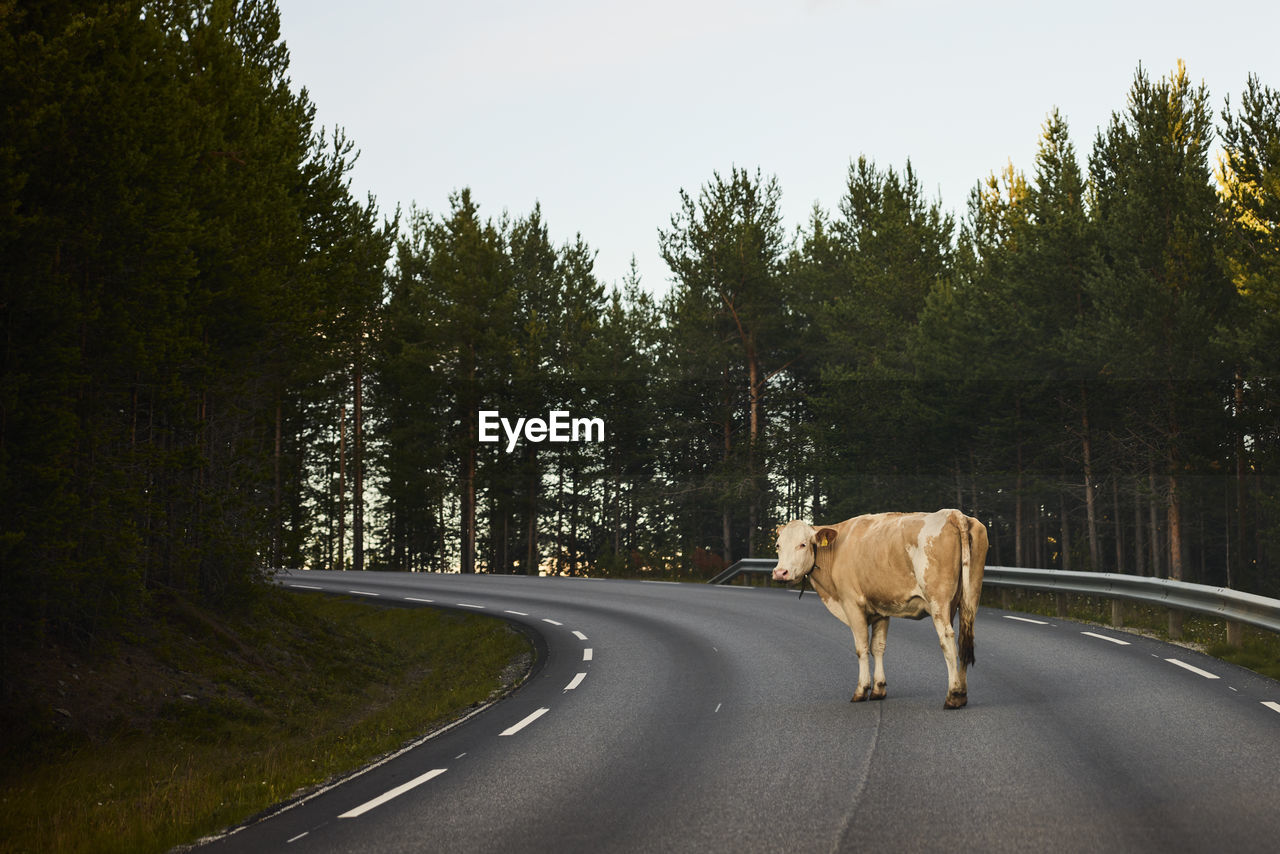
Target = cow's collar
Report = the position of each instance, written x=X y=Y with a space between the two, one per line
x=804 y=578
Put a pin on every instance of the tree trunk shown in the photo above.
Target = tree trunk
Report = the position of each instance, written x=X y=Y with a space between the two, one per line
x=1091 y=512
x=357 y=460
x=1157 y=562
x=342 y=487
x=1066 y=535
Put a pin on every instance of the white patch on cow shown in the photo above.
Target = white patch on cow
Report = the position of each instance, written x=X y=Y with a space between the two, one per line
x=919 y=553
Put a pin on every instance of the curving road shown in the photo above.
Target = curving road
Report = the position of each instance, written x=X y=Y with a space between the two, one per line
x=670 y=717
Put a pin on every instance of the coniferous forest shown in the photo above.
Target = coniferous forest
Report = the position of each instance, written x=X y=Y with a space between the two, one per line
x=216 y=360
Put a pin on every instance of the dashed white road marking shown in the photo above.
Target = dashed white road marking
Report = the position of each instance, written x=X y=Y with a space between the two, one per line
x=1206 y=674
x=469 y=605
x=552 y=622
x=1025 y=620
x=586 y=654
x=296 y=838
x=413 y=599
x=515 y=728
x=579 y=635
x=305 y=587
x=1273 y=706
x=517 y=613
x=717 y=711
x=575 y=682
x=1115 y=641
x=659 y=582
x=363 y=593
x=393 y=793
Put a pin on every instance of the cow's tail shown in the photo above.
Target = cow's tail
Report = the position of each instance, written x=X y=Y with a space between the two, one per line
x=973 y=558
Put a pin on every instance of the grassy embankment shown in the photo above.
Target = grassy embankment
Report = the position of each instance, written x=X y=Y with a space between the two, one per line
x=199 y=721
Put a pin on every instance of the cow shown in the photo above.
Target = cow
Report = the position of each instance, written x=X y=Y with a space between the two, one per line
x=870 y=568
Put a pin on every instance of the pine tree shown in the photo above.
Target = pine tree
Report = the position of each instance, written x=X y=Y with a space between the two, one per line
x=726 y=251
x=1159 y=290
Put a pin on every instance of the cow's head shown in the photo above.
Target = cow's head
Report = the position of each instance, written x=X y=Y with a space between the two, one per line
x=798 y=543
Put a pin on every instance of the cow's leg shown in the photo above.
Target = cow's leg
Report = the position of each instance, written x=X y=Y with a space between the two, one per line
x=957 y=695
x=858 y=622
x=879 y=636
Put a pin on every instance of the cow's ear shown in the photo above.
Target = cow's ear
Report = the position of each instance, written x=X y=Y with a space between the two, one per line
x=824 y=537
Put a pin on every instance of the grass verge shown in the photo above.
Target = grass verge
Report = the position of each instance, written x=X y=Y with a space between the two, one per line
x=200 y=721
x=1259 y=652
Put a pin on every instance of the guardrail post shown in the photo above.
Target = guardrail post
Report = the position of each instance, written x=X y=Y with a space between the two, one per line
x=1117 y=613
x=1061 y=602
x=1235 y=633
x=1175 y=624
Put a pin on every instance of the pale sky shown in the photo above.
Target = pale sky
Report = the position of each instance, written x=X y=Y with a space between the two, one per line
x=604 y=111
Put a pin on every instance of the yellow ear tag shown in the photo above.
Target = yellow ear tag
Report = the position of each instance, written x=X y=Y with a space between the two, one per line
x=823 y=542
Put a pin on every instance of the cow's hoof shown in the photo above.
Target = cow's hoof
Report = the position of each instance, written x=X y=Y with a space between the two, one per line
x=956 y=701
x=859 y=696
x=878 y=692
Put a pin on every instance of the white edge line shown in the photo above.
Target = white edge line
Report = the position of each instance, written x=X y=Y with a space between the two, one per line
x=1270 y=704
x=348 y=778
x=659 y=582
x=515 y=728
x=469 y=605
x=729 y=586
x=393 y=793
x=1025 y=620
x=363 y=593
x=306 y=587
x=552 y=622
x=1115 y=641
x=579 y=635
x=575 y=682
x=586 y=654
x=414 y=599
x=1206 y=674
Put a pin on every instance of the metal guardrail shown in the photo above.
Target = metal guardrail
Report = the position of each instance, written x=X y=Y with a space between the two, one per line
x=1233 y=606
x=746 y=565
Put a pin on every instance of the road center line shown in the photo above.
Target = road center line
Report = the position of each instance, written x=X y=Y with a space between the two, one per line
x=579 y=635
x=296 y=838
x=576 y=681
x=363 y=593
x=515 y=728
x=1273 y=706
x=306 y=586
x=1206 y=674
x=517 y=613
x=586 y=654
x=1025 y=620
x=1115 y=641
x=469 y=605
x=394 y=793
x=552 y=622
x=412 y=599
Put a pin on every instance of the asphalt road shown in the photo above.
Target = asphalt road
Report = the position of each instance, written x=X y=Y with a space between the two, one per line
x=670 y=717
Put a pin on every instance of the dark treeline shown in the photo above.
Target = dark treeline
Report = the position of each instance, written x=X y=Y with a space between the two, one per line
x=216 y=360
x=184 y=275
